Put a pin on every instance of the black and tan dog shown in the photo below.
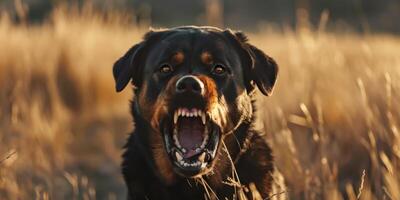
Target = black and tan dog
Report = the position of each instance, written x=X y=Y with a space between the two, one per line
x=193 y=112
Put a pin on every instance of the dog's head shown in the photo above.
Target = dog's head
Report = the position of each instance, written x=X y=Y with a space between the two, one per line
x=193 y=86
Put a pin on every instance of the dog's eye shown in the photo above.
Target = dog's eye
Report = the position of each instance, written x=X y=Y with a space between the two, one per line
x=165 y=69
x=219 y=69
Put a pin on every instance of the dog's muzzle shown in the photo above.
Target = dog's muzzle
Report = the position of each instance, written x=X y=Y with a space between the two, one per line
x=191 y=138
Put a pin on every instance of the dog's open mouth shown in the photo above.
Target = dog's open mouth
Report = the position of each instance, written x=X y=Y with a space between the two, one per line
x=191 y=140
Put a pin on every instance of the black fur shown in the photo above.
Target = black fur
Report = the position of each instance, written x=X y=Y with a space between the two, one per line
x=252 y=156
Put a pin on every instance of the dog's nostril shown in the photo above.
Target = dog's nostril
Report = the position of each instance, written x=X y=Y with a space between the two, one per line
x=196 y=87
x=180 y=87
x=189 y=84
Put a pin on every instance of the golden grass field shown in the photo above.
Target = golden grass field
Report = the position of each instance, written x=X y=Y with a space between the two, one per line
x=333 y=121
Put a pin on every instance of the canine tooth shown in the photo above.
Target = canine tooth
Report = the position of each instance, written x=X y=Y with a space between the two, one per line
x=203 y=118
x=178 y=156
x=199 y=113
x=202 y=157
x=176 y=115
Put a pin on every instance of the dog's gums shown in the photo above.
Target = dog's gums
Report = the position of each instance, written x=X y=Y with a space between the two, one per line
x=191 y=140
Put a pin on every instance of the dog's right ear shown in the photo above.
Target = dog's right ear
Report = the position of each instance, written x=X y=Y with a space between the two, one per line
x=127 y=67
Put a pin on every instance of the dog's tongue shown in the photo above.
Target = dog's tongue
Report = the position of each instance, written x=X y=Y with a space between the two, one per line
x=190 y=135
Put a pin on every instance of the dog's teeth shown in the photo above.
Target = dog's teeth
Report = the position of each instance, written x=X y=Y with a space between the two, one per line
x=176 y=115
x=199 y=113
x=202 y=157
x=181 y=162
x=198 y=150
x=179 y=112
x=203 y=118
x=183 y=150
x=178 y=156
x=195 y=113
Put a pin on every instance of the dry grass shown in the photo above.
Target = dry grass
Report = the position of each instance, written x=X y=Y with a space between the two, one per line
x=335 y=111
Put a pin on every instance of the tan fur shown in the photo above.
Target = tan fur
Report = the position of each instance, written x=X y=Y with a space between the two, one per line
x=206 y=57
x=216 y=106
x=178 y=58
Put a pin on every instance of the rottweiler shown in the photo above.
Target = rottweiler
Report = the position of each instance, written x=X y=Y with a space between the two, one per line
x=193 y=109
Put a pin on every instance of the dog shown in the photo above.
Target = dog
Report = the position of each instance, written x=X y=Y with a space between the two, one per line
x=193 y=111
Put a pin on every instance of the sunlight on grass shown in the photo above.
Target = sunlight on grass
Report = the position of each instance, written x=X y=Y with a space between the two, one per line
x=333 y=120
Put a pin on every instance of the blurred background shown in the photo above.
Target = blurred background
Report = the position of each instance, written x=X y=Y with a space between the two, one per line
x=333 y=120
x=357 y=15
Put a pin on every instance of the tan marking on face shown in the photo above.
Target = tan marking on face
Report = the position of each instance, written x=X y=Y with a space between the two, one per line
x=216 y=107
x=178 y=58
x=206 y=57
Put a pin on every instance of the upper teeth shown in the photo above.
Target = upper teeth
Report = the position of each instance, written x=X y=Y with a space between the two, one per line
x=184 y=112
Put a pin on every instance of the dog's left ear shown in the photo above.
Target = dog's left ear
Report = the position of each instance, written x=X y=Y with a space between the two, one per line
x=126 y=67
x=260 y=68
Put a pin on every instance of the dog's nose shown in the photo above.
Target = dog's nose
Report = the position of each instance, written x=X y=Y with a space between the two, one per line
x=189 y=83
